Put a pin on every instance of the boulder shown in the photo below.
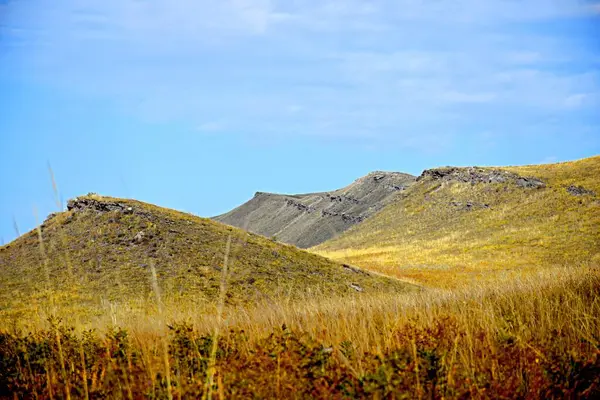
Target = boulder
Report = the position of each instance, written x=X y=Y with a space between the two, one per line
x=580 y=191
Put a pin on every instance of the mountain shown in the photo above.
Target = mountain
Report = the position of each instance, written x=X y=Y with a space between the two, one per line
x=105 y=250
x=306 y=220
x=463 y=224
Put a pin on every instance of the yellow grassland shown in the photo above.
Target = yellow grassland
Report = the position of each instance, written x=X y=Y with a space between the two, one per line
x=423 y=238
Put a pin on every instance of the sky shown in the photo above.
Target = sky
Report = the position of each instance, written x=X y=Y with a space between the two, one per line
x=197 y=104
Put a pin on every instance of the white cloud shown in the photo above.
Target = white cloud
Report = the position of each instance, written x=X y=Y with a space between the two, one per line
x=212 y=126
x=523 y=57
x=345 y=68
x=582 y=99
x=461 y=97
x=594 y=8
x=294 y=108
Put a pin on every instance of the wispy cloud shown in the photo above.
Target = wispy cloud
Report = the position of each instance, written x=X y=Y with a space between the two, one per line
x=409 y=71
x=595 y=8
x=212 y=126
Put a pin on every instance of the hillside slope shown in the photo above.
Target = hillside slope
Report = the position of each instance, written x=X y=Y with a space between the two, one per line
x=103 y=251
x=461 y=223
x=309 y=219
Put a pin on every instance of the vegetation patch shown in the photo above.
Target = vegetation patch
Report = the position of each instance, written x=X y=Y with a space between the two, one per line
x=536 y=339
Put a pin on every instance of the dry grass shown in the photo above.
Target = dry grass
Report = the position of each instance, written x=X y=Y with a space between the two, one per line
x=536 y=337
x=424 y=238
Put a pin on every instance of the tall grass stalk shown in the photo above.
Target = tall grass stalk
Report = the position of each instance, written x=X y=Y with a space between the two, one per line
x=210 y=374
x=165 y=344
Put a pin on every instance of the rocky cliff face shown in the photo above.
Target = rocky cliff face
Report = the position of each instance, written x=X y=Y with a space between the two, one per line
x=309 y=219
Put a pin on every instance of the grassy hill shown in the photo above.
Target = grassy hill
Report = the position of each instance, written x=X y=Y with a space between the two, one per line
x=306 y=220
x=532 y=337
x=458 y=225
x=103 y=253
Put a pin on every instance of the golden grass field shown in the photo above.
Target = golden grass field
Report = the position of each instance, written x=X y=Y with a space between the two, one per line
x=536 y=337
x=505 y=305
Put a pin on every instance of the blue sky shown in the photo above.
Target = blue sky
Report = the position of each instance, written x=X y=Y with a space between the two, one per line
x=195 y=105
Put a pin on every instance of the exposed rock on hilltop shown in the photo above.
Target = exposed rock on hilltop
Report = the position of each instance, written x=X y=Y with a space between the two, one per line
x=87 y=203
x=475 y=175
x=306 y=220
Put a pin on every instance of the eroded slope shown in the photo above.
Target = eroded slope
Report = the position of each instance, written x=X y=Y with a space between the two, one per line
x=309 y=219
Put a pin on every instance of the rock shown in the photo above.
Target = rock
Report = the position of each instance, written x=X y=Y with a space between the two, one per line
x=580 y=191
x=139 y=237
x=354 y=219
x=530 y=183
x=393 y=188
x=341 y=199
x=78 y=204
x=72 y=204
x=354 y=270
x=349 y=268
x=476 y=175
x=101 y=206
x=299 y=206
x=356 y=287
x=469 y=175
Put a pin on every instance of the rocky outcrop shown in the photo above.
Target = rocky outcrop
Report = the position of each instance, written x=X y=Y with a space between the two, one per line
x=475 y=175
x=580 y=191
x=341 y=199
x=86 y=203
x=529 y=183
x=351 y=219
x=470 y=175
x=299 y=206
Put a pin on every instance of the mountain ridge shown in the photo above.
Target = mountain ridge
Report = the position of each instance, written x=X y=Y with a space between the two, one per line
x=308 y=219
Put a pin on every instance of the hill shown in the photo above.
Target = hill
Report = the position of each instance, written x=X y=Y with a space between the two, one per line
x=104 y=251
x=306 y=220
x=458 y=225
